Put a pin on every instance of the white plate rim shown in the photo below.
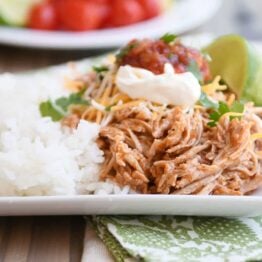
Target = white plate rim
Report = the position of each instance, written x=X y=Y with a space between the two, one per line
x=174 y=19
x=226 y=206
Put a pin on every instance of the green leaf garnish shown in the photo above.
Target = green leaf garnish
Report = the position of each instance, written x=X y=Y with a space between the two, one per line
x=59 y=108
x=73 y=99
x=237 y=107
x=100 y=69
x=168 y=38
x=223 y=108
x=220 y=108
x=49 y=109
x=2 y=21
x=195 y=70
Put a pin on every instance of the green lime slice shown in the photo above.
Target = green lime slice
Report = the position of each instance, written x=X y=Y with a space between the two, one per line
x=15 y=12
x=2 y=21
x=239 y=65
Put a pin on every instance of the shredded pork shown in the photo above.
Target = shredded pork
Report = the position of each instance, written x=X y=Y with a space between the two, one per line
x=157 y=150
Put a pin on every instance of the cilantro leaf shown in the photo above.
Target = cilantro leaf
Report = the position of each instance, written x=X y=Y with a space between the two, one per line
x=49 y=109
x=59 y=108
x=220 y=108
x=194 y=69
x=100 y=69
x=73 y=99
x=223 y=108
x=214 y=116
x=168 y=38
x=237 y=107
x=212 y=123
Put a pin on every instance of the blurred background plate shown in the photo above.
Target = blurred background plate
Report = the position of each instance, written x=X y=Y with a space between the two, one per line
x=183 y=16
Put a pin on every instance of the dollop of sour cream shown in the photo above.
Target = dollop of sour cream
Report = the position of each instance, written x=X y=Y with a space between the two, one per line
x=168 y=88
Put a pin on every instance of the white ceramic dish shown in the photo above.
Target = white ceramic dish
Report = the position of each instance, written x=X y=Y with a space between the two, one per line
x=228 y=206
x=185 y=15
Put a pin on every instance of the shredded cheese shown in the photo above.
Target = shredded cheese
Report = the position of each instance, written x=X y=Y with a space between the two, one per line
x=231 y=99
x=111 y=59
x=154 y=116
x=214 y=86
x=119 y=97
x=97 y=106
x=256 y=136
x=199 y=107
x=133 y=103
x=73 y=85
x=106 y=95
x=99 y=117
x=259 y=154
x=115 y=90
x=232 y=114
x=86 y=112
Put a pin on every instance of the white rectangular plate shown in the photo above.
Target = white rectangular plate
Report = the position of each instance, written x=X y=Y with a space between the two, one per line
x=229 y=206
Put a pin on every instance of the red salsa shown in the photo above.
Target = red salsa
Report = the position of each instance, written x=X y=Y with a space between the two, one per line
x=154 y=54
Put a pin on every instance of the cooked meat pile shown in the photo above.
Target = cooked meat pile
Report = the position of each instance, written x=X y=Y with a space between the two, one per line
x=158 y=150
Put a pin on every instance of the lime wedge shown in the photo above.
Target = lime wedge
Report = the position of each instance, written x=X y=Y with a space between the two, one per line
x=2 y=21
x=15 y=12
x=239 y=65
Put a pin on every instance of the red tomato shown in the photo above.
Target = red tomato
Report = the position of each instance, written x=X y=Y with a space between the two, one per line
x=151 y=8
x=80 y=15
x=104 y=2
x=125 y=12
x=43 y=16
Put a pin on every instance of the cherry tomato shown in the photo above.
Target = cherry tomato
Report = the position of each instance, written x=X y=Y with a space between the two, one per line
x=151 y=8
x=103 y=2
x=125 y=12
x=43 y=16
x=80 y=15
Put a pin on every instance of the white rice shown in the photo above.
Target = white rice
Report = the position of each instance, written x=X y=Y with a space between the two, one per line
x=37 y=156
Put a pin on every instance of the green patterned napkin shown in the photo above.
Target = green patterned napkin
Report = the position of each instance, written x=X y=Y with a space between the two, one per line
x=166 y=238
